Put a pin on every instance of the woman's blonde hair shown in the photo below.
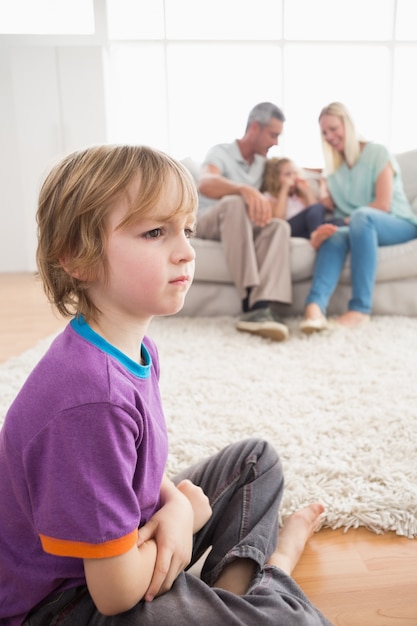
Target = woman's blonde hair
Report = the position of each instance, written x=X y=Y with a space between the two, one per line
x=332 y=158
x=73 y=203
x=272 y=171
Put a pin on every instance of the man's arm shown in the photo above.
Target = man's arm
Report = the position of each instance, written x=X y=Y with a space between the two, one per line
x=213 y=185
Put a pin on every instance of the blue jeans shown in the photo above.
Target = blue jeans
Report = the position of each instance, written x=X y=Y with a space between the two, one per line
x=368 y=229
x=244 y=483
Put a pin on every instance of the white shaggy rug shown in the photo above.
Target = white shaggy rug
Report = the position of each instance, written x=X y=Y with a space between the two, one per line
x=340 y=407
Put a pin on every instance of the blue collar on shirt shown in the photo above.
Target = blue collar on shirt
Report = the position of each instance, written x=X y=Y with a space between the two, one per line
x=82 y=328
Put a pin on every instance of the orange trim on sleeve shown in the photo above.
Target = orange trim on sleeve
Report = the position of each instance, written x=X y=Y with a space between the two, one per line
x=82 y=550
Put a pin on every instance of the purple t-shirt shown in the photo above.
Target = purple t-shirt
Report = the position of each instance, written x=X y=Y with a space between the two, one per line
x=82 y=454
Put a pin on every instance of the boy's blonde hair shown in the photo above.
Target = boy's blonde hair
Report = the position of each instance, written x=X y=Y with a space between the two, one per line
x=272 y=171
x=332 y=158
x=73 y=203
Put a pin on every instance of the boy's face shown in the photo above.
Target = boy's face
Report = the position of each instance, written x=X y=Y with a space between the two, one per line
x=150 y=262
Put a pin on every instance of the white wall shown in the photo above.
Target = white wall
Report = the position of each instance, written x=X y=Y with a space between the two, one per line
x=159 y=84
x=51 y=102
x=10 y=198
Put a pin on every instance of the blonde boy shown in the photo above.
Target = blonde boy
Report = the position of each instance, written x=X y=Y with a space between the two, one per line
x=92 y=531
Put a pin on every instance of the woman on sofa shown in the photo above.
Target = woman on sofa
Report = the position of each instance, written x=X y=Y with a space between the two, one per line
x=363 y=185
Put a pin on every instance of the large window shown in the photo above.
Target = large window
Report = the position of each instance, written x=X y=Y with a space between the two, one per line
x=183 y=74
x=46 y=17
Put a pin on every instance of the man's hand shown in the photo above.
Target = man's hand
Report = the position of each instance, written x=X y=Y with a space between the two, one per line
x=259 y=207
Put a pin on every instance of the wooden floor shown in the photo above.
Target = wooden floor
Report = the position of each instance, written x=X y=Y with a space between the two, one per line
x=356 y=578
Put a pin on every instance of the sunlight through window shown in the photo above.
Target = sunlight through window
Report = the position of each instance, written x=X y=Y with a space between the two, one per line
x=45 y=17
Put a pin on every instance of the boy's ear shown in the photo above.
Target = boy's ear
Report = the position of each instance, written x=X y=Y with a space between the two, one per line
x=83 y=274
x=66 y=266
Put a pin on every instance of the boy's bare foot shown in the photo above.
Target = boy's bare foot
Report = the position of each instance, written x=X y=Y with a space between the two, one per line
x=352 y=319
x=293 y=536
x=322 y=232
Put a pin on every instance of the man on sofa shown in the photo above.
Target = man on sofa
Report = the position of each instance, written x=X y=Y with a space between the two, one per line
x=233 y=210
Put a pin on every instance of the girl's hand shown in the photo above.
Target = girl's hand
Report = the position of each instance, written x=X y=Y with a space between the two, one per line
x=305 y=191
x=301 y=184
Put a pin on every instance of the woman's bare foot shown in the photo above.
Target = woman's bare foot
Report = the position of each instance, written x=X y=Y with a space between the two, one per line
x=313 y=312
x=314 y=321
x=322 y=232
x=293 y=536
x=352 y=319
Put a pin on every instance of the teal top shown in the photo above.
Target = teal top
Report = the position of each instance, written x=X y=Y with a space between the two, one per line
x=351 y=188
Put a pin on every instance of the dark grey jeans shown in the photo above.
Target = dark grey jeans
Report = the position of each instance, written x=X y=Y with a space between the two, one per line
x=244 y=483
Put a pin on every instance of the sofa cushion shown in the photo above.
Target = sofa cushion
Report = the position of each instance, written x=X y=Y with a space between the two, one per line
x=193 y=167
x=397 y=262
x=394 y=262
x=408 y=165
x=210 y=263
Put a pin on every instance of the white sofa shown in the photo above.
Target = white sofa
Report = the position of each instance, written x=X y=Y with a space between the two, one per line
x=213 y=292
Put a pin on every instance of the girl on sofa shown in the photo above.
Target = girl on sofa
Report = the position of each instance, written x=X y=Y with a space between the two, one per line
x=364 y=186
x=293 y=199
x=92 y=530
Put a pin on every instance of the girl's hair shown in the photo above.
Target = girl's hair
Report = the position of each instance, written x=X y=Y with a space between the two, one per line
x=74 y=201
x=332 y=158
x=272 y=171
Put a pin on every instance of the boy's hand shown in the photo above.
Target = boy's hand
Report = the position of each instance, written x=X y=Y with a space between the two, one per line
x=198 y=500
x=172 y=529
